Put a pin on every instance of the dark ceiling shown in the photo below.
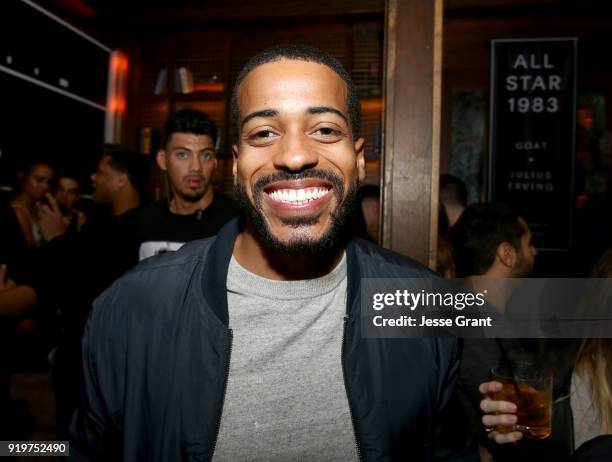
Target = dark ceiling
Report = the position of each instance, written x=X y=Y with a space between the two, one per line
x=110 y=19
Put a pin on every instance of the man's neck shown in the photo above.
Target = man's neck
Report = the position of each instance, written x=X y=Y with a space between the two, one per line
x=496 y=289
x=180 y=206
x=126 y=204
x=252 y=255
x=453 y=213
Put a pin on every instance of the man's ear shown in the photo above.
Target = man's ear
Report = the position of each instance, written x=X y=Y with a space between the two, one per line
x=235 y=161
x=161 y=159
x=507 y=254
x=122 y=180
x=359 y=151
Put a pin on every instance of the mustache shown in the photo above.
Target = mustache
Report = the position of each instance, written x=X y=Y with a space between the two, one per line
x=327 y=175
x=194 y=177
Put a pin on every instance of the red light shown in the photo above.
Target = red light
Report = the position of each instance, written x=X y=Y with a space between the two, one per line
x=211 y=87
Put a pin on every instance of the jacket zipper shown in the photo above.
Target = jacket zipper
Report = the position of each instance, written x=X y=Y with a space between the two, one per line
x=348 y=395
x=227 y=370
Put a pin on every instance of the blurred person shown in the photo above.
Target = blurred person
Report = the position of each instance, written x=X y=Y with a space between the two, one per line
x=102 y=251
x=369 y=195
x=33 y=183
x=453 y=196
x=488 y=241
x=29 y=198
x=72 y=269
x=445 y=261
x=67 y=194
x=15 y=300
x=492 y=243
x=591 y=401
x=247 y=345
x=193 y=210
x=118 y=185
x=590 y=395
x=591 y=389
x=12 y=240
x=120 y=181
x=16 y=421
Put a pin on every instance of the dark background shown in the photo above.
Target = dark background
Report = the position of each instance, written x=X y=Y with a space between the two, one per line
x=36 y=122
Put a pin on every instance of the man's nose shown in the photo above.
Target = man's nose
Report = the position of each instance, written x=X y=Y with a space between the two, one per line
x=195 y=163
x=295 y=153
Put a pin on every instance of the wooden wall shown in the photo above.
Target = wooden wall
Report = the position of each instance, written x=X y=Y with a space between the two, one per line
x=216 y=54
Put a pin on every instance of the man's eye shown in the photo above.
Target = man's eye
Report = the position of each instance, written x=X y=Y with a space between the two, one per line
x=328 y=133
x=206 y=155
x=182 y=155
x=262 y=134
x=261 y=137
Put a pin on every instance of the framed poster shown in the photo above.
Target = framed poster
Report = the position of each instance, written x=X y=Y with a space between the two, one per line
x=532 y=134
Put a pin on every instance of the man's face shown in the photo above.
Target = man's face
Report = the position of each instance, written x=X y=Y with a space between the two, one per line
x=67 y=192
x=106 y=182
x=190 y=161
x=526 y=252
x=296 y=165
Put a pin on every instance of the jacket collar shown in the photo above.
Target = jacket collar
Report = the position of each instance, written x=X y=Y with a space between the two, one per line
x=217 y=266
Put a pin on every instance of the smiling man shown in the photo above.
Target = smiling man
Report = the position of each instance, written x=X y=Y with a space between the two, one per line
x=247 y=346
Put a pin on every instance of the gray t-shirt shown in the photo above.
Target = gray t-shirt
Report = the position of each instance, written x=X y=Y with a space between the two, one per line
x=285 y=397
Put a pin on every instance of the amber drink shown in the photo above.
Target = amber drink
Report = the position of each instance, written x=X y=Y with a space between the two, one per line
x=531 y=391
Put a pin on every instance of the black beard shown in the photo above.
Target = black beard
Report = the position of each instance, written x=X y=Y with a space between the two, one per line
x=333 y=238
x=191 y=197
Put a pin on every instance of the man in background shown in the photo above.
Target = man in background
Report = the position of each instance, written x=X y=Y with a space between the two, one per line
x=72 y=269
x=67 y=193
x=101 y=252
x=492 y=244
x=491 y=241
x=193 y=210
x=453 y=197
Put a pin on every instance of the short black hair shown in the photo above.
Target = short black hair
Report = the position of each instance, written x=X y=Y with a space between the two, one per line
x=452 y=190
x=189 y=121
x=64 y=174
x=297 y=52
x=134 y=165
x=477 y=234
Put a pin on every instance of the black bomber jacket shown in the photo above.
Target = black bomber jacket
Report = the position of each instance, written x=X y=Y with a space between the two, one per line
x=156 y=354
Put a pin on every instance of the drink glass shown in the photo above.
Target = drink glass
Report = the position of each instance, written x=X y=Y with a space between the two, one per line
x=530 y=388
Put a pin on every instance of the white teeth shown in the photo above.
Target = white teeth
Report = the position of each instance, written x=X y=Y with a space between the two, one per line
x=297 y=196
